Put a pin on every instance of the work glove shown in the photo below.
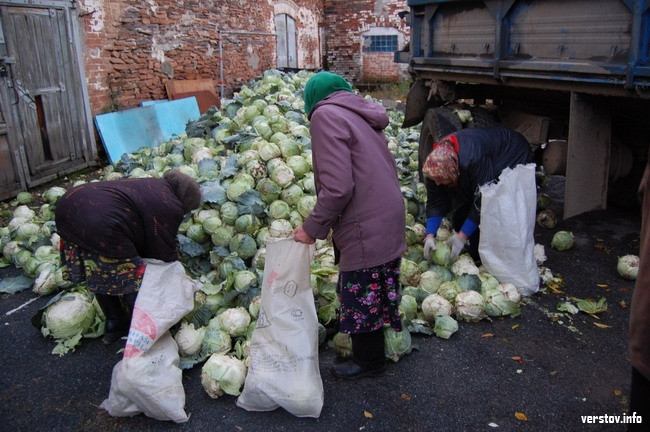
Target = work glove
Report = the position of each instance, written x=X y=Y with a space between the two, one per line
x=456 y=245
x=429 y=247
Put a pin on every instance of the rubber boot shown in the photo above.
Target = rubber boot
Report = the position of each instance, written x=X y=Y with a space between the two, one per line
x=368 y=357
x=116 y=325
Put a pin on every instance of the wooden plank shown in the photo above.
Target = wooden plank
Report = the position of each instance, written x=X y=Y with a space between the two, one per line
x=202 y=89
x=588 y=150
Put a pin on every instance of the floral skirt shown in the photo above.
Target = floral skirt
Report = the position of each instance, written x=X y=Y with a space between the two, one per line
x=112 y=276
x=370 y=298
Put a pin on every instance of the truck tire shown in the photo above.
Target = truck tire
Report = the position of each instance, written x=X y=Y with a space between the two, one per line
x=482 y=117
x=438 y=122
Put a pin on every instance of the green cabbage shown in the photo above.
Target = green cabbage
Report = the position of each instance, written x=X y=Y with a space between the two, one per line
x=223 y=374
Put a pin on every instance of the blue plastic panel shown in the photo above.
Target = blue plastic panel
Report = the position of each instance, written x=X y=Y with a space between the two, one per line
x=147 y=126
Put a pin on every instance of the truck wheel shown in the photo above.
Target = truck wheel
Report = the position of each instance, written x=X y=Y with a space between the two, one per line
x=482 y=117
x=438 y=122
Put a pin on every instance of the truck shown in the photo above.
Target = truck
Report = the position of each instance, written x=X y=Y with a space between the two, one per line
x=573 y=76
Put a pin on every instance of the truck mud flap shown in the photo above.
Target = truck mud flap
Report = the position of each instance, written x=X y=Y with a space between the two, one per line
x=416 y=104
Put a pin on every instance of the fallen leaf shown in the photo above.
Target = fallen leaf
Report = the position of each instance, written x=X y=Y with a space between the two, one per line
x=623 y=304
x=618 y=392
x=487 y=335
x=521 y=416
x=366 y=414
x=554 y=372
x=514 y=327
x=517 y=359
x=405 y=396
x=602 y=285
x=601 y=325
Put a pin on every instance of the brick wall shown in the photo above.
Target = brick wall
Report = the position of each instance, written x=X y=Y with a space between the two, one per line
x=133 y=47
x=346 y=22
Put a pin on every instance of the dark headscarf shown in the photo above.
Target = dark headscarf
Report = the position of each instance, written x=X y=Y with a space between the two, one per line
x=185 y=188
x=322 y=85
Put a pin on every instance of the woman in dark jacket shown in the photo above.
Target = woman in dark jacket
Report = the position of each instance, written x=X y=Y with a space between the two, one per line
x=359 y=199
x=639 y=326
x=455 y=170
x=108 y=227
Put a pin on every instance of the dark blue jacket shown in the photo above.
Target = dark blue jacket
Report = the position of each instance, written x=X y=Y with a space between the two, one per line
x=483 y=153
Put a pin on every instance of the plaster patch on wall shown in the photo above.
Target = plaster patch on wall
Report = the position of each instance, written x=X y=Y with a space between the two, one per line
x=380 y=8
x=253 y=58
x=95 y=9
x=153 y=6
x=187 y=19
x=94 y=53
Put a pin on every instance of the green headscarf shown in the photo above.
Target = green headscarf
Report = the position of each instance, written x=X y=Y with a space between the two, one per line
x=322 y=85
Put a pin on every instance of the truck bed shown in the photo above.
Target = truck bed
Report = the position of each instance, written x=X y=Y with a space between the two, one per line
x=592 y=46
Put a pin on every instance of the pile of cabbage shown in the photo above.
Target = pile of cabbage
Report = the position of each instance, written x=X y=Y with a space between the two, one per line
x=252 y=159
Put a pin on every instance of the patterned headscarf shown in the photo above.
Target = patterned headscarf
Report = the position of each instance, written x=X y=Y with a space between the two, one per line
x=322 y=85
x=441 y=165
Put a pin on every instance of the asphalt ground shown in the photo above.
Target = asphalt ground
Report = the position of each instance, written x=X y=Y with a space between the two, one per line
x=542 y=371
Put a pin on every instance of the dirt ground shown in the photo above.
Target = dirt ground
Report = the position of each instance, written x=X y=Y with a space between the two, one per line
x=542 y=371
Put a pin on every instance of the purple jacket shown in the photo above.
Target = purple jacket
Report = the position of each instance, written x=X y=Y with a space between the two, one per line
x=359 y=196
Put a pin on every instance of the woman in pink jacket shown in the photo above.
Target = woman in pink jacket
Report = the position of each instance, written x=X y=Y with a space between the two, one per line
x=359 y=200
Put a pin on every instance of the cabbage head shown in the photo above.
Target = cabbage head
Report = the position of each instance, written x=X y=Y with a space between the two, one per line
x=223 y=374
x=444 y=272
x=279 y=209
x=397 y=344
x=189 y=339
x=222 y=235
x=510 y=291
x=305 y=205
x=464 y=264
x=430 y=281
x=441 y=255
x=268 y=189
x=445 y=326
x=497 y=304
x=470 y=306
x=244 y=245
x=562 y=240
x=468 y=281
x=435 y=305
x=342 y=344
x=234 y=320
x=69 y=316
x=408 y=307
x=449 y=290
x=487 y=281
x=409 y=273
x=216 y=341
x=627 y=266
x=244 y=280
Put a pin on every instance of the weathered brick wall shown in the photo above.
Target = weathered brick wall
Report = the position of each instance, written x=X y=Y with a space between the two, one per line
x=132 y=47
x=345 y=22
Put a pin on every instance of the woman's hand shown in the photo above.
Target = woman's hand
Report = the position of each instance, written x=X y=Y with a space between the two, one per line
x=301 y=236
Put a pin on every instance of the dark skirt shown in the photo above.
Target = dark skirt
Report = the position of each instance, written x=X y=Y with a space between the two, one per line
x=370 y=298
x=103 y=275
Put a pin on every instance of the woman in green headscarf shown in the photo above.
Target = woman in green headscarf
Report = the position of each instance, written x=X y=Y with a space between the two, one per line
x=321 y=86
x=359 y=200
